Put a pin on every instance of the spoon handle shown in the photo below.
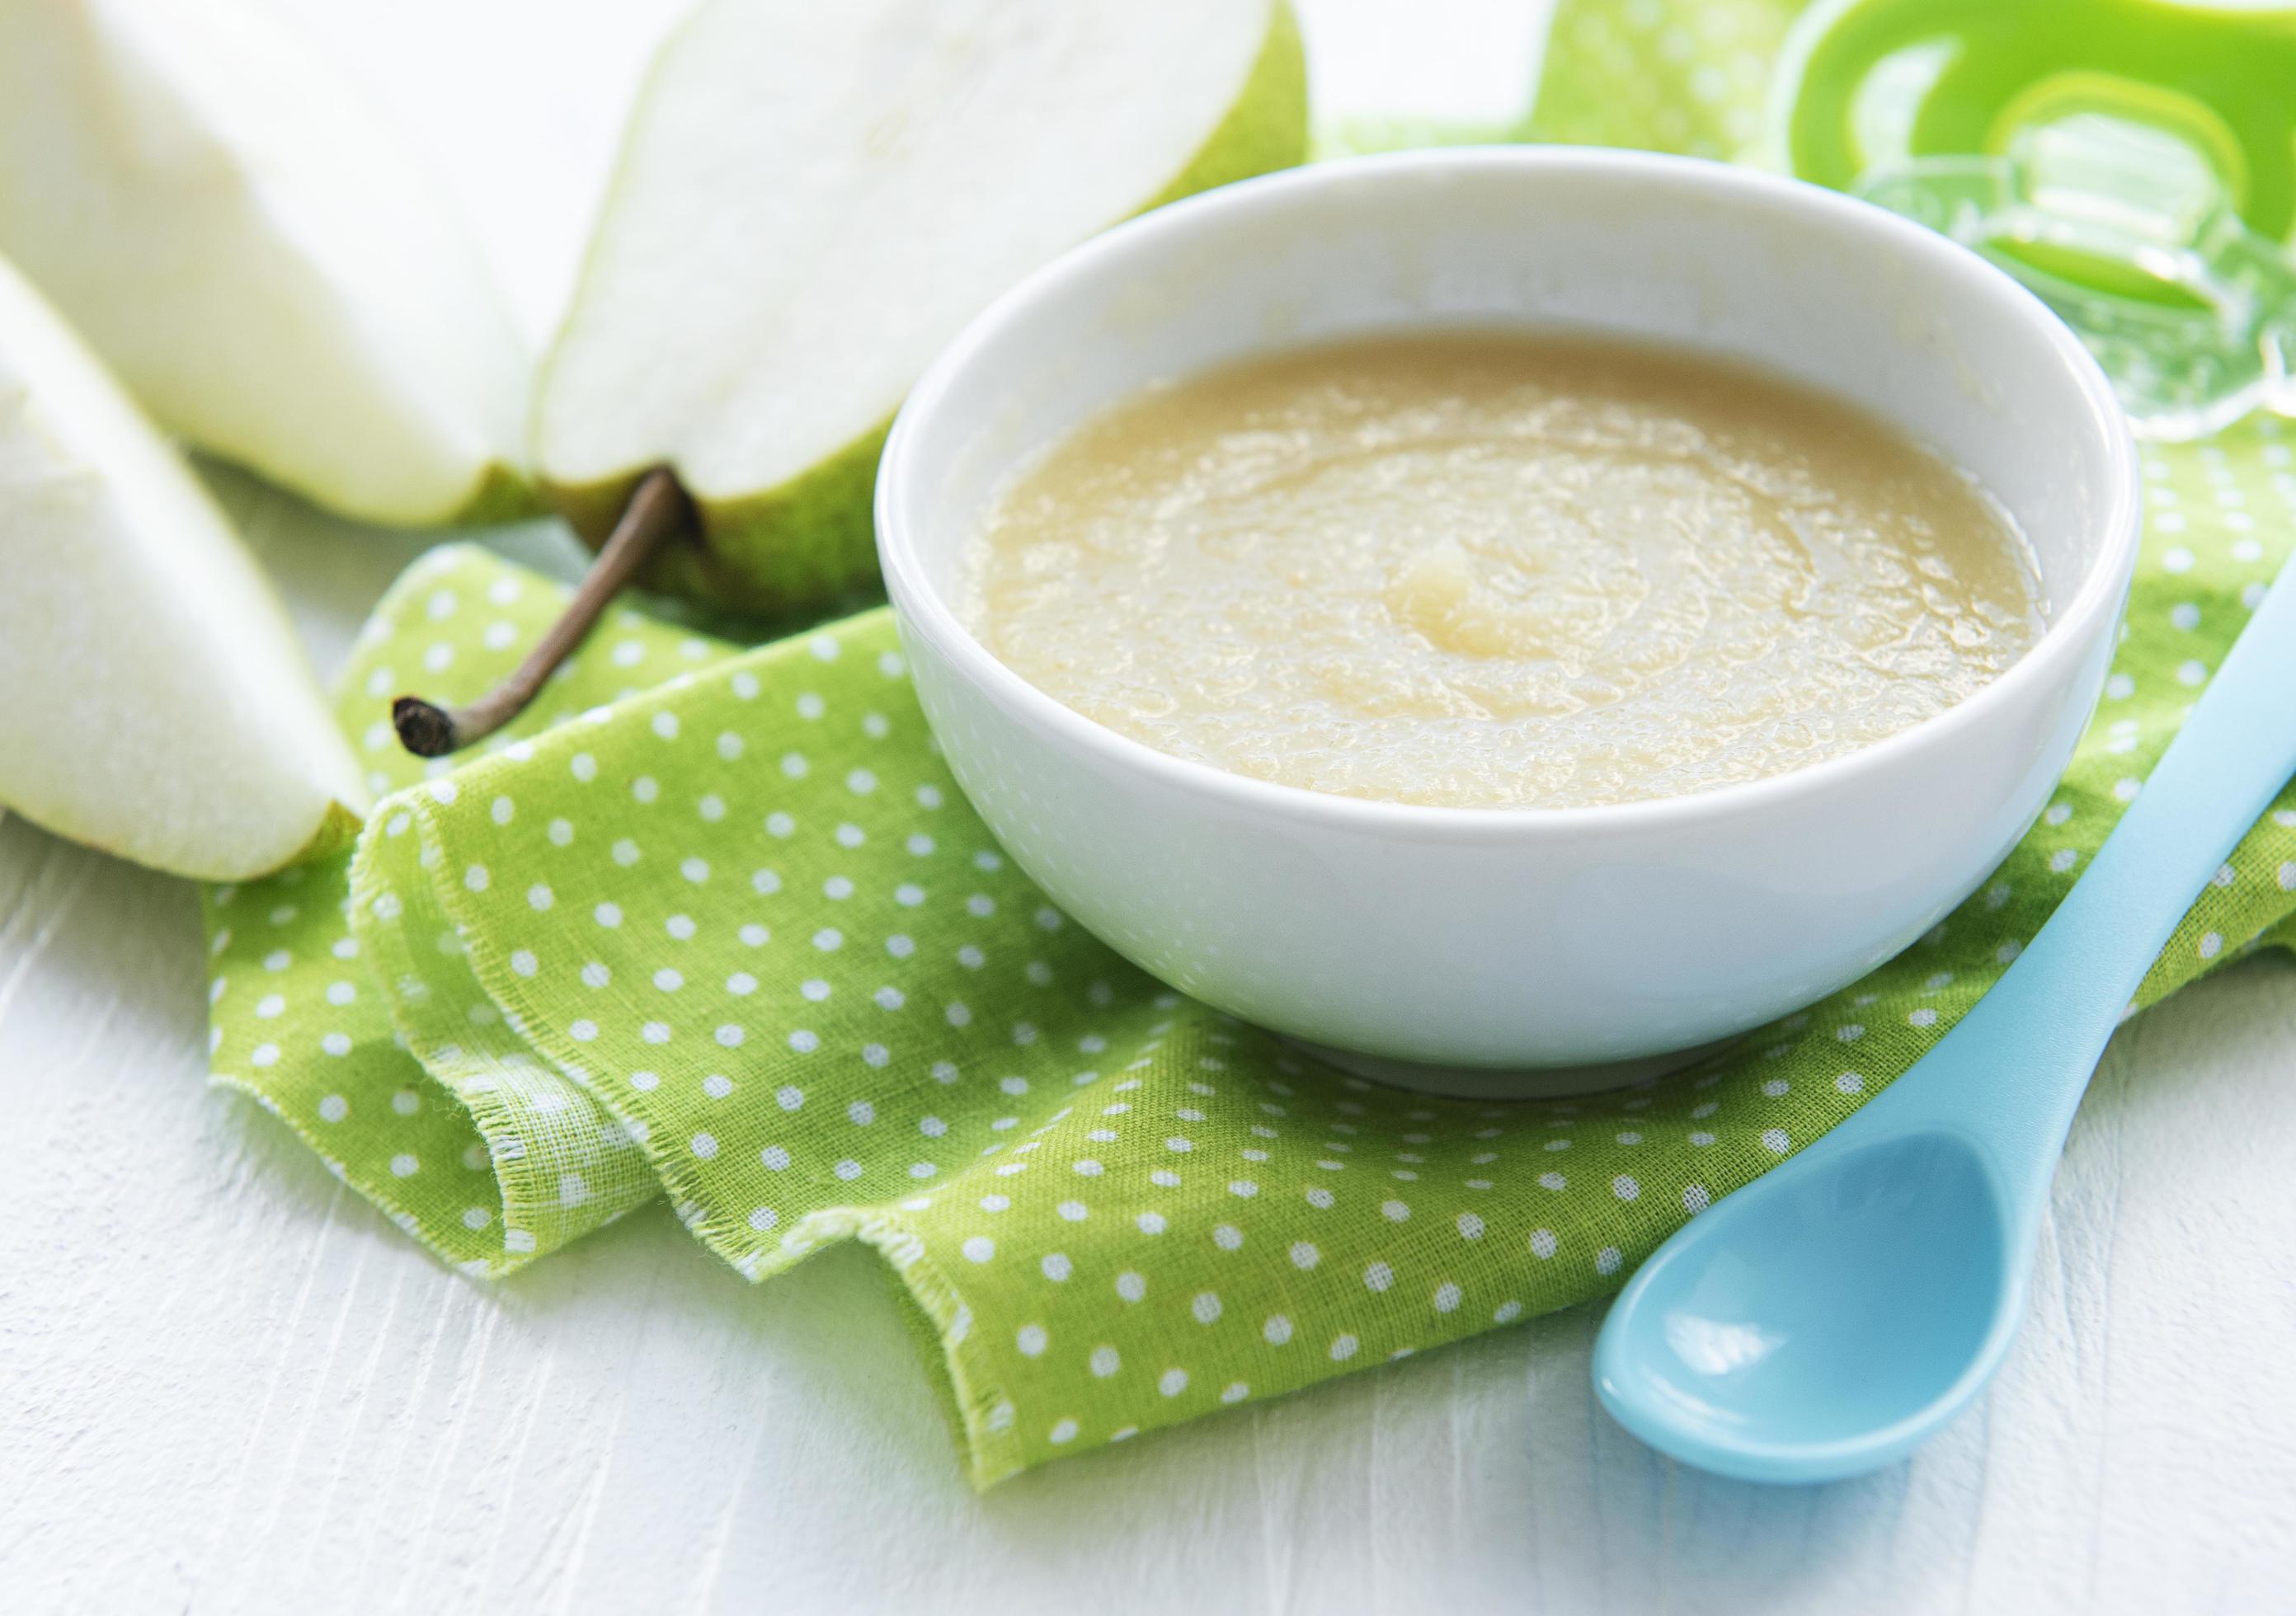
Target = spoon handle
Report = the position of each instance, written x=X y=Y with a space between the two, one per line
x=2020 y=1061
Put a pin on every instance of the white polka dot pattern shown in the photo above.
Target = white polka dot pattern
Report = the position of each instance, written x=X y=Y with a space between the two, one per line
x=721 y=926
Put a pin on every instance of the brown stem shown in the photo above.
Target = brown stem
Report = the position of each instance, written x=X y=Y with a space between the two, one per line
x=658 y=508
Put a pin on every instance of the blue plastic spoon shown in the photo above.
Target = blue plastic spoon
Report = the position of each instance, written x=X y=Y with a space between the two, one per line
x=1827 y=1318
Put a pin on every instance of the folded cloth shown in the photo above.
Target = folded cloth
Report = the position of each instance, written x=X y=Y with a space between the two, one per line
x=719 y=924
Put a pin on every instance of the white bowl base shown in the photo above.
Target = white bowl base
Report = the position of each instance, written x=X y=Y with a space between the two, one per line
x=1506 y=1083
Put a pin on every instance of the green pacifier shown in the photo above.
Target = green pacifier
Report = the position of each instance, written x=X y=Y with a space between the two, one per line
x=2132 y=162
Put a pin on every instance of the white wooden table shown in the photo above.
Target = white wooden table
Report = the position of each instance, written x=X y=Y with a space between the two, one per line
x=227 y=1384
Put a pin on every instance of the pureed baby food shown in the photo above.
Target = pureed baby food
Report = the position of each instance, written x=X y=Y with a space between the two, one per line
x=1487 y=568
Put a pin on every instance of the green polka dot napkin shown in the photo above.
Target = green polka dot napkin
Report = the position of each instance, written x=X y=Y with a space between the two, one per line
x=717 y=925
x=1687 y=76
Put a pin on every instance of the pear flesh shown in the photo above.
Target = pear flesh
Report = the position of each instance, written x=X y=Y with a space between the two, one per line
x=813 y=199
x=157 y=704
x=257 y=255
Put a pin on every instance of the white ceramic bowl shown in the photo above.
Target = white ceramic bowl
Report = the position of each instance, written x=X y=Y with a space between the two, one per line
x=1516 y=939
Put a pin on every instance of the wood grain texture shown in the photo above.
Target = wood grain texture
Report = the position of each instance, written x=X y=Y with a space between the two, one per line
x=227 y=1384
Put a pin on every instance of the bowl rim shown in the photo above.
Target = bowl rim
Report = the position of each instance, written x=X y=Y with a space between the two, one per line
x=922 y=608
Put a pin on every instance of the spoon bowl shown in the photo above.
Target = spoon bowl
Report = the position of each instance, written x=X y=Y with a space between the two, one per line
x=1825 y=1323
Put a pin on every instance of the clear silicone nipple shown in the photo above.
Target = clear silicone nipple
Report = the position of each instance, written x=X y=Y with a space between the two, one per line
x=2192 y=314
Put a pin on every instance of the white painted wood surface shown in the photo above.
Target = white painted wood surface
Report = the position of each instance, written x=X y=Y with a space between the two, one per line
x=227 y=1384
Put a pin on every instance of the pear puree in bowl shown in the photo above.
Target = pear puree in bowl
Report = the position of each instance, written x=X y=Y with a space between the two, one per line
x=1486 y=568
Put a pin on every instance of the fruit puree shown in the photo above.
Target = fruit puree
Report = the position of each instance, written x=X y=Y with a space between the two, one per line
x=1497 y=569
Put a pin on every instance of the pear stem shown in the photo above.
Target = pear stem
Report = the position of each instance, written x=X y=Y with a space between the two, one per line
x=658 y=508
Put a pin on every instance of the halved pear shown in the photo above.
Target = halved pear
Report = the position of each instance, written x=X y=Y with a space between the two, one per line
x=153 y=700
x=258 y=257
x=813 y=198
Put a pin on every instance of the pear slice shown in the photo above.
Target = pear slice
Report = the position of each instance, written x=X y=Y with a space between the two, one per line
x=257 y=255
x=814 y=196
x=156 y=703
